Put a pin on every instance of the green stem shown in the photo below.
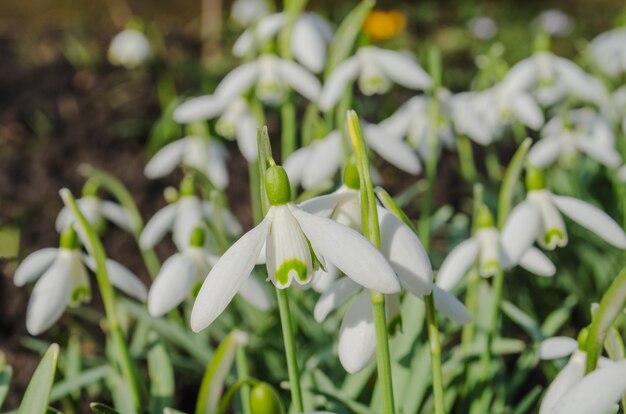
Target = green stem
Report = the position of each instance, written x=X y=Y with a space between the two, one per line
x=243 y=372
x=288 y=127
x=435 y=352
x=383 y=359
x=94 y=247
x=290 y=348
x=466 y=159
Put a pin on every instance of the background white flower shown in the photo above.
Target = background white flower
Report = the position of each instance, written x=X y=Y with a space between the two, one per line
x=129 y=48
x=94 y=209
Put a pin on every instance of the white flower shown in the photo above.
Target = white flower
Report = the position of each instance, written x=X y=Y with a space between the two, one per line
x=62 y=281
x=181 y=218
x=493 y=250
x=272 y=78
x=129 y=48
x=609 y=51
x=539 y=216
x=204 y=154
x=310 y=36
x=246 y=12
x=236 y=119
x=580 y=130
x=555 y=22
x=375 y=69
x=185 y=270
x=619 y=104
x=95 y=210
x=472 y=115
x=405 y=253
x=482 y=27
x=292 y=238
x=321 y=160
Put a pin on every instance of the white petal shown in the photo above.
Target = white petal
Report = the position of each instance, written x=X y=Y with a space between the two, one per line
x=246 y=137
x=337 y=82
x=323 y=205
x=296 y=163
x=255 y=293
x=336 y=295
x=520 y=231
x=552 y=231
x=324 y=162
x=237 y=81
x=457 y=263
x=595 y=393
x=538 y=263
x=188 y=216
x=571 y=374
x=450 y=306
x=227 y=276
x=545 y=152
x=592 y=218
x=405 y=253
x=157 y=226
x=557 y=347
x=216 y=165
x=308 y=45
x=244 y=43
x=33 y=266
x=600 y=151
x=125 y=280
x=402 y=69
x=172 y=285
x=395 y=151
x=322 y=280
x=116 y=214
x=527 y=111
x=300 y=80
x=200 y=108
x=357 y=335
x=229 y=220
x=621 y=172
x=166 y=159
x=352 y=253
x=50 y=296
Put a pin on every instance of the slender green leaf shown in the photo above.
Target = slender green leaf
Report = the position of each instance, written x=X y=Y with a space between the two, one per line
x=99 y=408
x=76 y=383
x=161 y=376
x=35 y=399
x=6 y=373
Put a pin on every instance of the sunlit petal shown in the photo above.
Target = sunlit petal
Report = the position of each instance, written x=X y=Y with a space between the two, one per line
x=538 y=263
x=357 y=336
x=164 y=161
x=557 y=347
x=337 y=82
x=457 y=263
x=402 y=69
x=300 y=79
x=520 y=231
x=34 y=265
x=336 y=295
x=157 y=226
x=450 y=306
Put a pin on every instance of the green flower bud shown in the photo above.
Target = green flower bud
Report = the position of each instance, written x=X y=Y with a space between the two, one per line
x=277 y=185
x=484 y=218
x=351 y=175
x=69 y=239
x=187 y=186
x=265 y=400
x=534 y=179
x=197 y=237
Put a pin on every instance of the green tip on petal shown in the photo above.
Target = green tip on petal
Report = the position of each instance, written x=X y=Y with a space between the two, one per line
x=295 y=265
x=197 y=237
x=187 y=186
x=534 y=179
x=484 y=218
x=80 y=295
x=351 y=174
x=265 y=400
x=69 y=239
x=277 y=185
x=582 y=338
x=553 y=234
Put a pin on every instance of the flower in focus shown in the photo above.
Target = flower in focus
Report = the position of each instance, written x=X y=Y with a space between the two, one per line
x=129 y=48
x=580 y=130
x=540 y=216
x=382 y=25
x=235 y=119
x=294 y=239
x=95 y=211
x=272 y=77
x=482 y=27
x=184 y=271
x=608 y=50
x=310 y=36
x=202 y=153
x=375 y=69
x=181 y=217
x=493 y=251
x=62 y=281
x=246 y=12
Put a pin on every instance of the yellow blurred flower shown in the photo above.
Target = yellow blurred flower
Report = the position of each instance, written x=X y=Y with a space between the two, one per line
x=382 y=25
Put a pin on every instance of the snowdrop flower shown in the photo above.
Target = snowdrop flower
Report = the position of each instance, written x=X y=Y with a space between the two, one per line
x=310 y=36
x=185 y=270
x=375 y=69
x=246 y=12
x=400 y=245
x=493 y=251
x=609 y=51
x=293 y=240
x=619 y=103
x=540 y=216
x=235 y=119
x=321 y=160
x=62 y=281
x=482 y=27
x=129 y=48
x=272 y=77
x=555 y=22
x=572 y=391
x=204 y=154
x=471 y=114
x=181 y=217
x=566 y=135
x=95 y=211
